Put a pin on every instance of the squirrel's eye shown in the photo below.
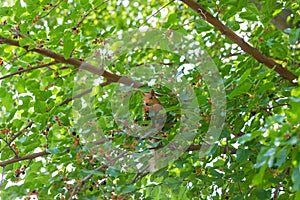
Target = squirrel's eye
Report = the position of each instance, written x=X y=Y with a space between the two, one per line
x=151 y=97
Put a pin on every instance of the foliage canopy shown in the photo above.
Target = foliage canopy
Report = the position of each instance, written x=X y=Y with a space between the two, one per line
x=42 y=150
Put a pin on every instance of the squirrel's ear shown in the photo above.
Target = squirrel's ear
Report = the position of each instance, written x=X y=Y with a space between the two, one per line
x=152 y=93
x=143 y=93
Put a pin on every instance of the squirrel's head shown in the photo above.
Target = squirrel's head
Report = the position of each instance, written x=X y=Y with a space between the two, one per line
x=150 y=99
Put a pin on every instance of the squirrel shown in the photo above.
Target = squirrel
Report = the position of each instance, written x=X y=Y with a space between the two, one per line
x=152 y=104
x=151 y=109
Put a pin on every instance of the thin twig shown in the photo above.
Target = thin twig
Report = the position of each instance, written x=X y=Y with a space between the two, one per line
x=231 y=54
x=156 y=13
x=83 y=180
x=9 y=146
x=51 y=9
x=29 y=69
x=138 y=176
x=16 y=58
x=18 y=33
x=89 y=12
x=81 y=94
x=17 y=135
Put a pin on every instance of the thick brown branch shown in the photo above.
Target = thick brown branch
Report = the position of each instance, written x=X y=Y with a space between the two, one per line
x=198 y=147
x=240 y=41
x=27 y=157
x=75 y=62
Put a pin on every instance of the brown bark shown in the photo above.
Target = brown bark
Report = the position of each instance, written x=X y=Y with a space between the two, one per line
x=240 y=41
x=27 y=157
x=75 y=62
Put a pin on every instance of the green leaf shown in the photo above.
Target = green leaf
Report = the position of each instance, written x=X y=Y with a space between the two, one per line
x=20 y=86
x=262 y=194
x=296 y=179
x=251 y=7
x=245 y=87
x=127 y=189
x=3 y=92
x=172 y=18
x=98 y=173
x=294 y=35
x=68 y=46
x=244 y=76
x=53 y=150
x=280 y=51
x=242 y=154
x=40 y=107
x=202 y=25
x=258 y=178
x=242 y=4
x=111 y=171
x=25 y=41
x=248 y=16
x=7 y=101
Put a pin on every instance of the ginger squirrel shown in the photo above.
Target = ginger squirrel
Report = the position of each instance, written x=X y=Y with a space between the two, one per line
x=152 y=110
x=151 y=103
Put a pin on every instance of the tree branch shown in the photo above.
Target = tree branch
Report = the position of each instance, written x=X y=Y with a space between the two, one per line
x=17 y=135
x=75 y=62
x=28 y=69
x=89 y=12
x=26 y=157
x=77 y=187
x=240 y=41
x=52 y=9
x=156 y=13
x=81 y=94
